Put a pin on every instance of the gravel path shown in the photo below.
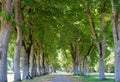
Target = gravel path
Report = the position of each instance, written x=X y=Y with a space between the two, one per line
x=60 y=78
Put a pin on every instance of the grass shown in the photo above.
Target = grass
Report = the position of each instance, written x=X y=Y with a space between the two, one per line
x=44 y=78
x=94 y=77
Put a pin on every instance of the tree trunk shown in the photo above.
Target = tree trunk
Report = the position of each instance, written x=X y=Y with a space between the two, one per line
x=31 y=61
x=75 y=56
x=80 y=65
x=101 y=62
x=76 y=72
x=17 y=76
x=33 y=66
x=34 y=71
x=85 y=59
x=7 y=6
x=18 y=44
x=101 y=59
x=116 y=36
x=85 y=67
x=43 y=63
x=25 y=63
x=117 y=53
x=47 y=67
x=41 y=72
x=38 y=64
x=101 y=68
x=66 y=68
x=78 y=58
x=102 y=46
x=117 y=61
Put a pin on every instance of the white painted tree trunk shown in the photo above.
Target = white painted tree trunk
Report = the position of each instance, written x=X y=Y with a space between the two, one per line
x=6 y=26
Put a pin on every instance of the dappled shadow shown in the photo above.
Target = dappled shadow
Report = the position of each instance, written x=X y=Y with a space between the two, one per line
x=93 y=78
x=43 y=78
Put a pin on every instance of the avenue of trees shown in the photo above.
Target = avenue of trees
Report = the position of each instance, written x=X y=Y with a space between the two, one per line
x=77 y=33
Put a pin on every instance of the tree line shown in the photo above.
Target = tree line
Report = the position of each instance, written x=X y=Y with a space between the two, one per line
x=39 y=29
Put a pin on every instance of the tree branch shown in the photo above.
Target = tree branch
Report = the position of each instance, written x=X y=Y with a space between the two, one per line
x=89 y=51
x=113 y=15
x=72 y=51
x=91 y=21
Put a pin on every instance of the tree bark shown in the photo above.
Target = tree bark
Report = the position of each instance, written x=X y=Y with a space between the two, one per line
x=25 y=62
x=101 y=67
x=6 y=26
x=38 y=64
x=43 y=63
x=116 y=36
x=78 y=58
x=80 y=65
x=41 y=72
x=31 y=61
x=18 y=44
x=34 y=71
x=117 y=61
x=47 y=67
x=76 y=72
x=85 y=66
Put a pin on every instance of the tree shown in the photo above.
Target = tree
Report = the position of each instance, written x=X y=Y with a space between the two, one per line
x=100 y=44
x=6 y=26
x=115 y=17
x=18 y=44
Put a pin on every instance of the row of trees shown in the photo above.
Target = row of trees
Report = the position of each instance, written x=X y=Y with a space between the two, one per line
x=81 y=28
x=29 y=41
